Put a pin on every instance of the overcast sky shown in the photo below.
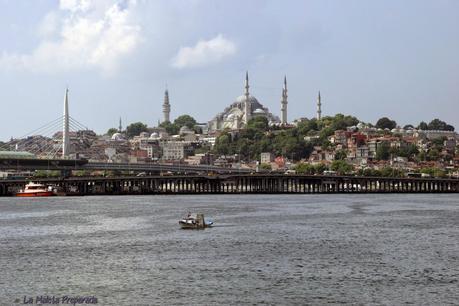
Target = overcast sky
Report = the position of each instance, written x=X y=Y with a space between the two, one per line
x=368 y=58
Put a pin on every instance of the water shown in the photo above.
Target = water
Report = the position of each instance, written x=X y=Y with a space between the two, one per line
x=274 y=249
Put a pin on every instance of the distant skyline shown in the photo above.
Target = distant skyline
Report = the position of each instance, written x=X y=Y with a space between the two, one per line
x=369 y=59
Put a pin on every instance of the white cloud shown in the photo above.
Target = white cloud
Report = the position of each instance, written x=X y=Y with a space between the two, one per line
x=81 y=36
x=74 y=5
x=204 y=53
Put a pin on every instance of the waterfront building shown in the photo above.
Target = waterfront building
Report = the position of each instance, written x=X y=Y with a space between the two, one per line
x=266 y=157
x=173 y=150
x=236 y=115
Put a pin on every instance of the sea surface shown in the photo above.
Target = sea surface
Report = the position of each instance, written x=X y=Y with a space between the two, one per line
x=272 y=249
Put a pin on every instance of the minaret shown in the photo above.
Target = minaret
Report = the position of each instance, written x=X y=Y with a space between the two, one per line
x=65 y=132
x=247 y=105
x=120 y=127
x=166 y=107
x=284 y=103
x=319 y=105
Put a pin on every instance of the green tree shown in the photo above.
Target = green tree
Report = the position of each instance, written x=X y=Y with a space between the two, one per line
x=258 y=123
x=437 y=124
x=391 y=172
x=369 y=172
x=111 y=131
x=341 y=122
x=223 y=144
x=170 y=128
x=423 y=126
x=265 y=166
x=433 y=154
x=134 y=129
x=386 y=123
x=383 y=151
x=341 y=167
x=185 y=120
x=320 y=168
x=304 y=168
x=340 y=155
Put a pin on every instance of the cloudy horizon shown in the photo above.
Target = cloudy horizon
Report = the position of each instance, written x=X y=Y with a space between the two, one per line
x=368 y=59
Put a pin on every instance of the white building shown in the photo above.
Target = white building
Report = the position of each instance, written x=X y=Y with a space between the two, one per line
x=266 y=157
x=173 y=150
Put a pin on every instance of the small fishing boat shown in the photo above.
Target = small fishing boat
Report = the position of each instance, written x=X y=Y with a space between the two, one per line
x=195 y=221
x=35 y=190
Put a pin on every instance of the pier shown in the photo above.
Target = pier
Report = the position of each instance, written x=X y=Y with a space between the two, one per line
x=238 y=184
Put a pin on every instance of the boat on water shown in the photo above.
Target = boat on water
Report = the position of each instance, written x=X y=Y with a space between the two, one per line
x=195 y=221
x=36 y=190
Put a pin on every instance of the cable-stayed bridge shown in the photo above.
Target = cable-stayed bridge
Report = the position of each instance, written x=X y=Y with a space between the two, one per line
x=51 y=140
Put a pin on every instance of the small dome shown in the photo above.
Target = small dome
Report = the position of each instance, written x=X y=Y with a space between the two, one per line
x=117 y=136
x=154 y=135
x=259 y=111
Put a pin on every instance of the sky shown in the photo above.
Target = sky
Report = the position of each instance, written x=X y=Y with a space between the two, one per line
x=369 y=59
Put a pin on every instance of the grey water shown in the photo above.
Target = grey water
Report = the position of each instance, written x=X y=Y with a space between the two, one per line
x=273 y=249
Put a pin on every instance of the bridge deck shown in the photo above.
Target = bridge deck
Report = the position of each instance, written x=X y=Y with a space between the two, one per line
x=239 y=183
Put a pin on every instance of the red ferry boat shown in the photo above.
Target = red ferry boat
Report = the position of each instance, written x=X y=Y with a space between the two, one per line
x=35 y=190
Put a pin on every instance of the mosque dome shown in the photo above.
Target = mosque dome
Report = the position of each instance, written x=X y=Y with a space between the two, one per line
x=234 y=116
x=154 y=135
x=117 y=136
x=252 y=99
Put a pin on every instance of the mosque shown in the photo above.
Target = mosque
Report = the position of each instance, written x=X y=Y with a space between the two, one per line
x=246 y=107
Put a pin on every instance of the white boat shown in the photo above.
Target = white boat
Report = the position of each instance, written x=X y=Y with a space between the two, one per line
x=195 y=221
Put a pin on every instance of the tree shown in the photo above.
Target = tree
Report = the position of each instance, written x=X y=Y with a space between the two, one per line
x=304 y=168
x=341 y=167
x=185 y=120
x=340 y=155
x=386 y=123
x=265 y=166
x=320 y=168
x=391 y=172
x=223 y=144
x=341 y=122
x=258 y=123
x=423 y=126
x=111 y=131
x=408 y=127
x=433 y=154
x=369 y=172
x=134 y=129
x=437 y=124
x=383 y=151
x=170 y=128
